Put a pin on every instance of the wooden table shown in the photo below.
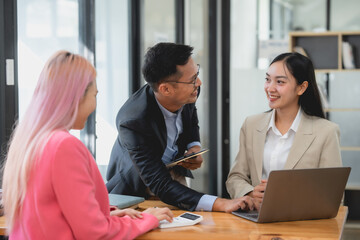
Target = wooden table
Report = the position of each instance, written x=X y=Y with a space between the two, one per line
x=2 y=226
x=226 y=226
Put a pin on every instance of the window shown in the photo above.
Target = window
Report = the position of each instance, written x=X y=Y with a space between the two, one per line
x=43 y=28
x=112 y=66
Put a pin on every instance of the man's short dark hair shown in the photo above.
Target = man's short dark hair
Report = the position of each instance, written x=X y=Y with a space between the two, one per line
x=161 y=60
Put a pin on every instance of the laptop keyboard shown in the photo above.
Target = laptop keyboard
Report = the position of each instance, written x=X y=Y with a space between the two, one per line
x=251 y=215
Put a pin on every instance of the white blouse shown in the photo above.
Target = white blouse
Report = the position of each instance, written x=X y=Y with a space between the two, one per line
x=277 y=146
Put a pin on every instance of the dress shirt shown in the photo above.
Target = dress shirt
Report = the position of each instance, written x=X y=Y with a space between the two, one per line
x=174 y=127
x=277 y=146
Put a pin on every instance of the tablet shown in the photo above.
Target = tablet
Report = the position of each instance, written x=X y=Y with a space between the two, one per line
x=181 y=159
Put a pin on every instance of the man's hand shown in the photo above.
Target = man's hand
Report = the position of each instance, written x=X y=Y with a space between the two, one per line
x=229 y=205
x=192 y=163
x=258 y=193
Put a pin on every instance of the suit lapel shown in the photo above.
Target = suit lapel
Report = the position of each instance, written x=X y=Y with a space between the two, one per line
x=158 y=122
x=259 y=142
x=303 y=139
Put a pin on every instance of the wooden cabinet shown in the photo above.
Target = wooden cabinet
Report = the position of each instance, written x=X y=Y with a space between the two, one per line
x=342 y=88
x=326 y=49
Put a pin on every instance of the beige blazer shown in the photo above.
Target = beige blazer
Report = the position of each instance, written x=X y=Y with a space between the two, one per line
x=316 y=144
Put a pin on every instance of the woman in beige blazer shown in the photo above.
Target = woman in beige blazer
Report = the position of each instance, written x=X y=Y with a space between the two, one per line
x=293 y=134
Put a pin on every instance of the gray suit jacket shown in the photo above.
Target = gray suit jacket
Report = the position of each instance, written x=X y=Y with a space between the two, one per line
x=316 y=144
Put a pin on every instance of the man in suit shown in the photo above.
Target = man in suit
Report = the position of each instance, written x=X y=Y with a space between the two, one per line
x=158 y=124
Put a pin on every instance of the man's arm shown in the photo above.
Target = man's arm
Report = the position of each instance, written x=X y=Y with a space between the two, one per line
x=229 y=205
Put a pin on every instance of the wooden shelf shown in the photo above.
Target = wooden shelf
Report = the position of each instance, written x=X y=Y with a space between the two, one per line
x=325 y=48
x=336 y=70
x=352 y=149
x=352 y=187
x=342 y=109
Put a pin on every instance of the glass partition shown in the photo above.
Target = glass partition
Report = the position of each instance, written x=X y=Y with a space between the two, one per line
x=112 y=66
x=196 y=30
x=158 y=24
x=344 y=15
x=246 y=80
x=43 y=28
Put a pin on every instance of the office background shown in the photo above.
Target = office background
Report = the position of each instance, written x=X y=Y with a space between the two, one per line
x=234 y=41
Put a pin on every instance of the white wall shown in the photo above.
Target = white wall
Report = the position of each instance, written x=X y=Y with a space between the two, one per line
x=246 y=81
x=247 y=97
x=243 y=34
x=345 y=15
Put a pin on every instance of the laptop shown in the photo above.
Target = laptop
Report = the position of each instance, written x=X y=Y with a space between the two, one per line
x=300 y=194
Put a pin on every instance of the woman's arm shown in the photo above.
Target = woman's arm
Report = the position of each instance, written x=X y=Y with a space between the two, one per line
x=80 y=202
x=238 y=182
x=331 y=153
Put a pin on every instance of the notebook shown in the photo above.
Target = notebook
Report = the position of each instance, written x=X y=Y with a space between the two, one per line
x=124 y=201
x=300 y=194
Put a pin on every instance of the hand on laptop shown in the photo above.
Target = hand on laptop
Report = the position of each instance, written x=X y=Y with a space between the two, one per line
x=192 y=163
x=229 y=205
x=258 y=193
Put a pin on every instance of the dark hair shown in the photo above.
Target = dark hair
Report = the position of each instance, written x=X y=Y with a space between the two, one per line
x=161 y=60
x=302 y=69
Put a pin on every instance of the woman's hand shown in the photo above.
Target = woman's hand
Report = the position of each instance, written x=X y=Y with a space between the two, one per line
x=126 y=212
x=258 y=193
x=161 y=213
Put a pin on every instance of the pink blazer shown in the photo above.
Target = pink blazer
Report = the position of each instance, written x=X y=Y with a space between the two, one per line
x=66 y=198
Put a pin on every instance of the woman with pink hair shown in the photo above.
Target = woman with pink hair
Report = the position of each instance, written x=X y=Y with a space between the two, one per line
x=52 y=188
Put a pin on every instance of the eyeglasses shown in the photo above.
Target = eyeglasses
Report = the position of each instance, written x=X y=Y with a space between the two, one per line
x=193 y=81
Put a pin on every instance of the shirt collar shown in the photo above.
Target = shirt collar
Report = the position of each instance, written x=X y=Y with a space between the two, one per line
x=294 y=126
x=296 y=122
x=167 y=113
